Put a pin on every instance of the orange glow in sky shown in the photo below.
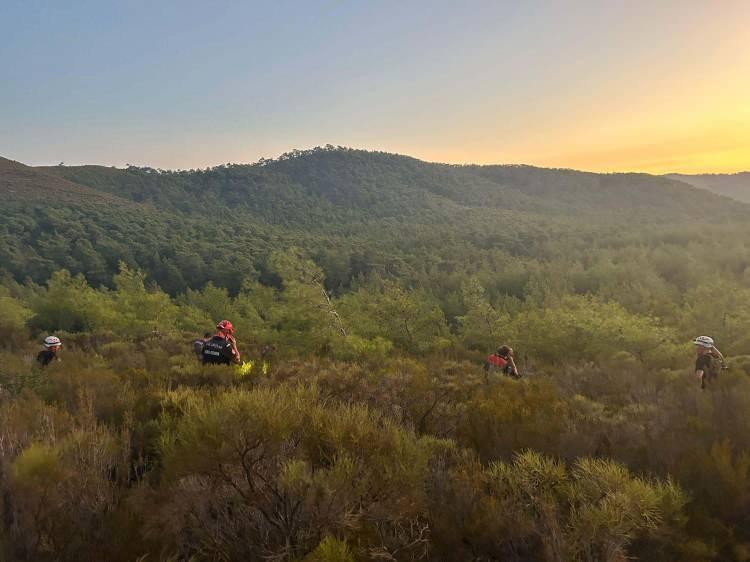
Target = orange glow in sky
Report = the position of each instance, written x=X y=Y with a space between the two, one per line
x=640 y=85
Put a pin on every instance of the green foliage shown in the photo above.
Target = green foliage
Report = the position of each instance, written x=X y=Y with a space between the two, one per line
x=138 y=310
x=69 y=304
x=131 y=447
x=294 y=469
x=720 y=308
x=330 y=550
x=585 y=327
x=412 y=320
x=13 y=317
x=358 y=213
x=37 y=468
x=482 y=327
x=540 y=509
x=374 y=286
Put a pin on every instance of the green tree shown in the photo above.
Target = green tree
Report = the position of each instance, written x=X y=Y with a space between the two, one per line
x=71 y=305
x=412 y=320
x=139 y=311
x=481 y=327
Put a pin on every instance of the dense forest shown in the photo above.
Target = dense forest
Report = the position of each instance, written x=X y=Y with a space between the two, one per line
x=368 y=429
x=354 y=212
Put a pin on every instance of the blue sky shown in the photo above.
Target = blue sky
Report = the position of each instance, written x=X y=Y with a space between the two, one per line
x=597 y=85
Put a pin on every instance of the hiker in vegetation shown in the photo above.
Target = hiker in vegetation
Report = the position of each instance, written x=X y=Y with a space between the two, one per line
x=502 y=361
x=221 y=349
x=199 y=343
x=709 y=360
x=52 y=345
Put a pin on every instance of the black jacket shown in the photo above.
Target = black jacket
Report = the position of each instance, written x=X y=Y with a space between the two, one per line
x=218 y=351
x=45 y=357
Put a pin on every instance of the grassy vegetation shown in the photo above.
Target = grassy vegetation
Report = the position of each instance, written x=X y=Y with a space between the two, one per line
x=372 y=431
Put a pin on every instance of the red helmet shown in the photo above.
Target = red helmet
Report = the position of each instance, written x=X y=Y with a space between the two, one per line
x=225 y=326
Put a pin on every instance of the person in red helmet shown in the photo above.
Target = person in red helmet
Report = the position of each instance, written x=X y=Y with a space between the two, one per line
x=221 y=349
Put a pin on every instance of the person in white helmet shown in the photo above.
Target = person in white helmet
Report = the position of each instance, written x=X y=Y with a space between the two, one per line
x=52 y=345
x=709 y=360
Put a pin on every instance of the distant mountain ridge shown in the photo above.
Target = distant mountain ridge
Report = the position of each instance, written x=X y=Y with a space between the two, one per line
x=351 y=209
x=736 y=186
x=347 y=184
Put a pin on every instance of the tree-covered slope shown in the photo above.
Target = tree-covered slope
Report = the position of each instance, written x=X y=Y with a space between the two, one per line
x=346 y=184
x=353 y=211
x=736 y=186
x=49 y=222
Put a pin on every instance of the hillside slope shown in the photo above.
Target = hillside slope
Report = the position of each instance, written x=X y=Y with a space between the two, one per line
x=343 y=184
x=49 y=222
x=736 y=186
x=19 y=182
x=354 y=211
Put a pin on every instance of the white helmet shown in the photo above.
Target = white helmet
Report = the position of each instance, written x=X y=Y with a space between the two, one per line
x=704 y=341
x=52 y=341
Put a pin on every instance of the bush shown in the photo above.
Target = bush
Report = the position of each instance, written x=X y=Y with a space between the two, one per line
x=280 y=469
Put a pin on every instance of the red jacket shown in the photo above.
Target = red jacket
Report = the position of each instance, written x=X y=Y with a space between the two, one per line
x=496 y=361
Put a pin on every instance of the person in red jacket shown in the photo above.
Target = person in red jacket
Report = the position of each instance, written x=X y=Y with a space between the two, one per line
x=502 y=361
x=221 y=349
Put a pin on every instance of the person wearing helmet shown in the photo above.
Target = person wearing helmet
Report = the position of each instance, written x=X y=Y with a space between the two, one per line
x=52 y=345
x=502 y=361
x=709 y=360
x=221 y=349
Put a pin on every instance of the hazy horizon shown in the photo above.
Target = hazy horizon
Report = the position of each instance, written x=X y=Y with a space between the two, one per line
x=637 y=87
x=250 y=163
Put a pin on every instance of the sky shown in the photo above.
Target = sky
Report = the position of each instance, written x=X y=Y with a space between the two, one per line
x=603 y=85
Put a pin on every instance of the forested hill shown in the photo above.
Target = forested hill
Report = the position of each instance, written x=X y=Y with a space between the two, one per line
x=353 y=211
x=736 y=186
x=305 y=186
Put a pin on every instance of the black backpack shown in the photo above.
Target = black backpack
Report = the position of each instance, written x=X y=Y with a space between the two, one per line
x=217 y=351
